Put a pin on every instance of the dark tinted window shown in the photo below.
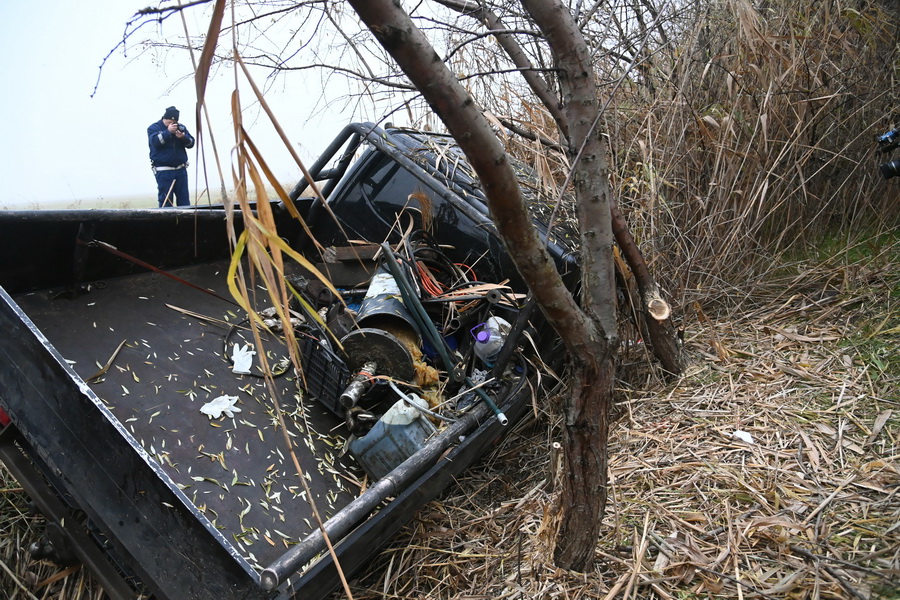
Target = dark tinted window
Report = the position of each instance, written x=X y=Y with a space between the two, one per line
x=369 y=204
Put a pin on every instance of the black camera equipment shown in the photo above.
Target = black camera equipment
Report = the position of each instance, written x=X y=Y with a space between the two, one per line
x=890 y=168
x=182 y=128
x=886 y=143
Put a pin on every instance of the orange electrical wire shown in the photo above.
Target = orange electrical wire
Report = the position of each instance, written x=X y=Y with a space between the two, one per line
x=429 y=283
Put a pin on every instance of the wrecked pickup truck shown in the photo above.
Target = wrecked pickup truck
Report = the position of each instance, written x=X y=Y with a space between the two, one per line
x=134 y=408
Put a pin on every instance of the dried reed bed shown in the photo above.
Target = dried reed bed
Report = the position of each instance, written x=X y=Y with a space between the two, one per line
x=21 y=577
x=809 y=509
x=742 y=130
x=753 y=133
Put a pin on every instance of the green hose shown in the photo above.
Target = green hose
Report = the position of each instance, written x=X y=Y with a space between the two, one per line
x=416 y=309
x=428 y=329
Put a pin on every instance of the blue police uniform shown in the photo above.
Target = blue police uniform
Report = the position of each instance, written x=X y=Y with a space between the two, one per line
x=169 y=161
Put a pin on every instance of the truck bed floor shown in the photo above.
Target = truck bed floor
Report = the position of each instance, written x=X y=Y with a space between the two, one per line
x=237 y=470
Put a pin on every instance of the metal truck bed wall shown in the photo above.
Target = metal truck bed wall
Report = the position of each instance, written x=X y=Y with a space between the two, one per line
x=40 y=249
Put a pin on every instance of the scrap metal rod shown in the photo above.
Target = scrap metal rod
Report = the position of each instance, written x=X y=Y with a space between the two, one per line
x=418 y=311
x=115 y=251
x=428 y=329
x=391 y=484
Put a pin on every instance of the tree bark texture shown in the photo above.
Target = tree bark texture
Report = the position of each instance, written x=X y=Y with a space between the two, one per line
x=589 y=335
x=395 y=31
x=583 y=495
x=587 y=407
x=657 y=329
x=516 y=54
x=655 y=310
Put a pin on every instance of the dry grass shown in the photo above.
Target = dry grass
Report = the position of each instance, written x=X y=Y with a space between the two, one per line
x=809 y=509
x=21 y=577
x=745 y=131
x=753 y=133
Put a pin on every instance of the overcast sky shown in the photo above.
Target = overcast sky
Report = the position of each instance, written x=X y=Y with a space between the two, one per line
x=60 y=144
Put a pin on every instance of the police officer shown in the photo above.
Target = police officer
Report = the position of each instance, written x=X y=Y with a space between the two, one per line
x=169 y=141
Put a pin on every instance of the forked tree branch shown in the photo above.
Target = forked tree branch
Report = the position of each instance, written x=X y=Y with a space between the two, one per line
x=517 y=55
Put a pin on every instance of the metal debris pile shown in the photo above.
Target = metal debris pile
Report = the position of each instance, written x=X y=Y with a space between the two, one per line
x=411 y=343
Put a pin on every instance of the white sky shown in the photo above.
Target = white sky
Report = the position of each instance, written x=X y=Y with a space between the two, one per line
x=59 y=144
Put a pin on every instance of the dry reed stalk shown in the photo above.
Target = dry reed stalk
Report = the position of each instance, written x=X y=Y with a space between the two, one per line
x=746 y=134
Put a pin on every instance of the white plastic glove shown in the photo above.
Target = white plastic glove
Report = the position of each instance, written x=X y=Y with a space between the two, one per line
x=242 y=358
x=223 y=404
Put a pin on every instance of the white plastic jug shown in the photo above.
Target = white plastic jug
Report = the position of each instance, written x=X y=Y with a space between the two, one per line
x=489 y=338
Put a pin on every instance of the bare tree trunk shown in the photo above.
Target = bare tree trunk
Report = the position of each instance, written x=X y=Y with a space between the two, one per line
x=516 y=54
x=584 y=479
x=656 y=311
x=658 y=327
x=450 y=101
x=589 y=334
x=587 y=408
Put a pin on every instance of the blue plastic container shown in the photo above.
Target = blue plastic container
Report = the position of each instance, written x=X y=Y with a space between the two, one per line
x=399 y=434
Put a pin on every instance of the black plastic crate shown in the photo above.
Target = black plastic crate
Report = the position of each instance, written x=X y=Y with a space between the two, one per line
x=326 y=375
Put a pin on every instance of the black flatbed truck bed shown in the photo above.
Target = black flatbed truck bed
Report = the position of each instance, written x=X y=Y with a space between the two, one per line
x=128 y=464
x=147 y=504
x=234 y=470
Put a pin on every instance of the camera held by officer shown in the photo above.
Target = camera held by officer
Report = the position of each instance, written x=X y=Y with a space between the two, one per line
x=886 y=143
